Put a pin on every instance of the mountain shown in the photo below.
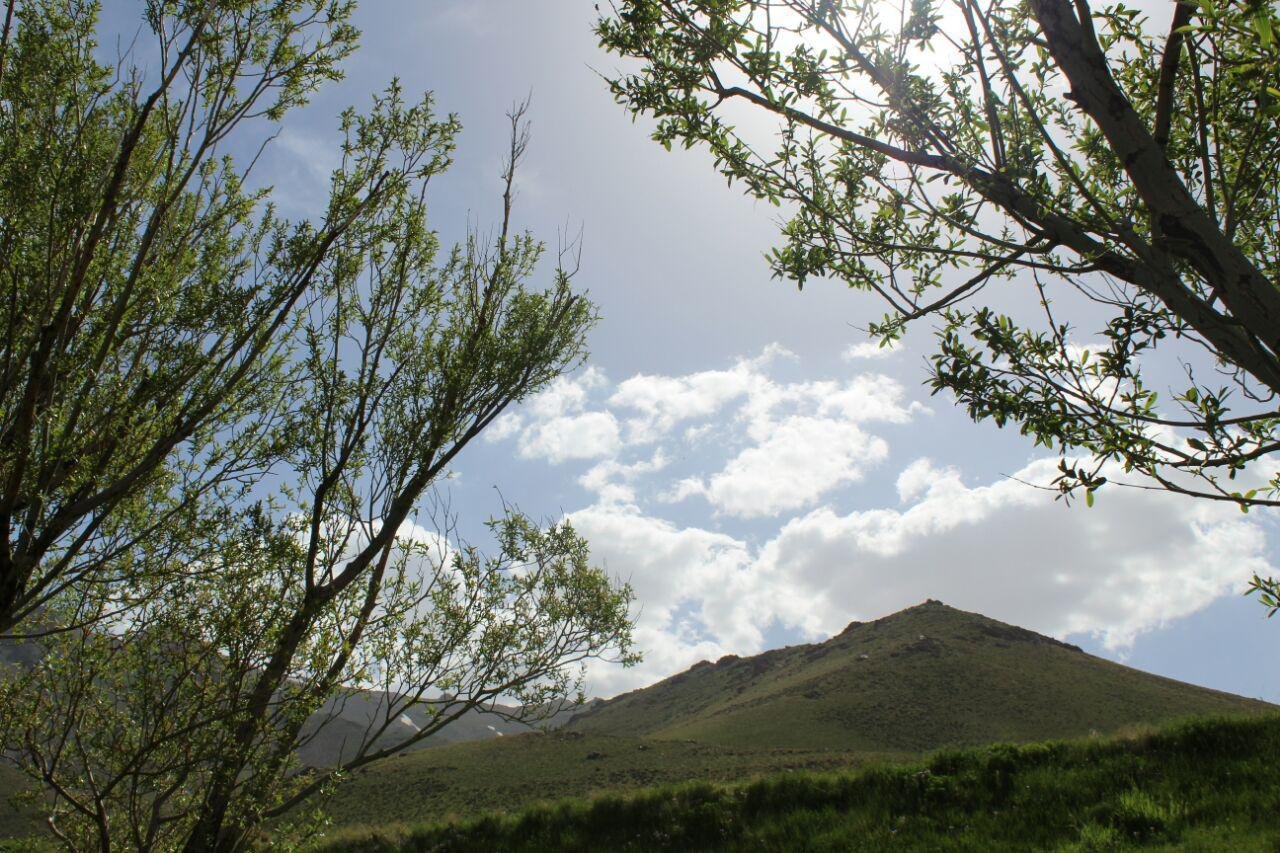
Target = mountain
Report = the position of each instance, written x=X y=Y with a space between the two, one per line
x=927 y=677
x=337 y=729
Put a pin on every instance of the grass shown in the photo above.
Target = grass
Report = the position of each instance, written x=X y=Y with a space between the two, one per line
x=1207 y=784
x=513 y=772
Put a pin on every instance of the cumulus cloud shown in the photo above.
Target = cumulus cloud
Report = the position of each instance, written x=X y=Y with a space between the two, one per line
x=506 y=425
x=661 y=402
x=787 y=444
x=804 y=442
x=554 y=425
x=871 y=350
x=588 y=435
x=1138 y=560
x=566 y=394
x=611 y=480
x=740 y=443
x=796 y=462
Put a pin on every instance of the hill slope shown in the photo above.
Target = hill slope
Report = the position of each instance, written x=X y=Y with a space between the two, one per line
x=1207 y=785
x=926 y=677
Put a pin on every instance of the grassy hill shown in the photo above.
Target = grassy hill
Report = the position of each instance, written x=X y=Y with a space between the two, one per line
x=16 y=820
x=1206 y=785
x=926 y=677
x=513 y=772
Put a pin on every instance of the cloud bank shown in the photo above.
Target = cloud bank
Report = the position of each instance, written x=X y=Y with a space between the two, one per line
x=685 y=472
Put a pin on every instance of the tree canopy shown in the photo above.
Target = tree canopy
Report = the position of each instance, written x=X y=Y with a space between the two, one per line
x=148 y=291
x=1121 y=174
x=221 y=431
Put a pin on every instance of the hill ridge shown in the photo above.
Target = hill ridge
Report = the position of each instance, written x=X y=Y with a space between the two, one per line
x=924 y=677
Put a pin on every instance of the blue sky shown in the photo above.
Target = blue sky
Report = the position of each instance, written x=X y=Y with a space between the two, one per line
x=733 y=448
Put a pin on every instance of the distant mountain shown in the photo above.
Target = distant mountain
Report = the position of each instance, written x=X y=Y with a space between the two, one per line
x=337 y=730
x=347 y=720
x=927 y=677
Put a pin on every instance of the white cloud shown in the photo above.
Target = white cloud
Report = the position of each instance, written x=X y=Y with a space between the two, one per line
x=554 y=425
x=664 y=401
x=869 y=350
x=506 y=425
x=590 y=435
x=800 y=460
x=603 y=478
x=566 y=394
x=694 y=435
x=1133 y=563
x=1136 y=561
x=804 y=443
x=788 y=444
x=682 y=490
x=866 y=397
x=919 y=477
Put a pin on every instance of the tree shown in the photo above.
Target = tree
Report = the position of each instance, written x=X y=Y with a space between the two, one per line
x=177 y=722
x=147 y=290
x=221 y=431
x=1123 y=179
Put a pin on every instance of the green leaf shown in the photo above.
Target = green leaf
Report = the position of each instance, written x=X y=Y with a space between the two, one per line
x=1088 y=499
x=1262 y=26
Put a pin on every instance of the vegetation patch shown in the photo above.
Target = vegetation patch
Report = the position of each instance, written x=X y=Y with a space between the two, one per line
x=1206 y=784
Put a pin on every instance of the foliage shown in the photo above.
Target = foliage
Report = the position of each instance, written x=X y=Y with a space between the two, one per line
x=228 y=430
x=1206 y=785
x=147 y=289
x=1121 y=179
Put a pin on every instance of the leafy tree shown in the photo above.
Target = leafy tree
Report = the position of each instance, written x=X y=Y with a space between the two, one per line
x=147 y=290
x=178 y=721
x=1123 y=179
x=222 y=434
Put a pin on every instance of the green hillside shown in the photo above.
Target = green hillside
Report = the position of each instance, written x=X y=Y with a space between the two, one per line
x=926 y=677
x=891 y=690
x=510 y=773
x=1207 y=785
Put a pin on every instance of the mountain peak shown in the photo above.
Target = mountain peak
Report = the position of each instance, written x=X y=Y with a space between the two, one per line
x=925 y=677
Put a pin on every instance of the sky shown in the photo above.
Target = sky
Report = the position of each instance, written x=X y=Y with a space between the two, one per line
x=736 y=449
